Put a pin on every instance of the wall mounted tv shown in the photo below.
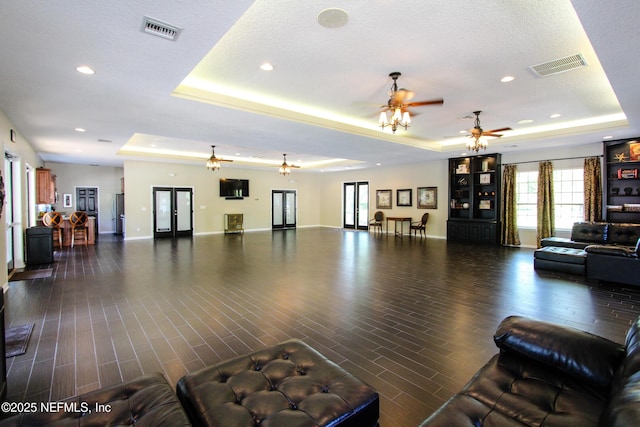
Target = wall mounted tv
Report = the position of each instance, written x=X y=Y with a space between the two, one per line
x=234 y=188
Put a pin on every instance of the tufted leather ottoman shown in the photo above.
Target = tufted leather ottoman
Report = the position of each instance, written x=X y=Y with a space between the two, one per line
x=555 y=258
x=287 y=385
x=146 y=401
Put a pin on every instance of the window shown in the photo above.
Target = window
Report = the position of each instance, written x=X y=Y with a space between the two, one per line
x=568 y=193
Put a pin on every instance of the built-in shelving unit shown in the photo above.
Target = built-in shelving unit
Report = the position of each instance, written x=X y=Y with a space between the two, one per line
x=474 y=199
x=622 y=180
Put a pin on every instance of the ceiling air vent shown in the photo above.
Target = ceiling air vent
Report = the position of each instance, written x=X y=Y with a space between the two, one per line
x=160 y=28
x=561 y=65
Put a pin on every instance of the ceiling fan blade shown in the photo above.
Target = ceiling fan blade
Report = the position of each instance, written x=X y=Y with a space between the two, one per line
x=224 y=160
x=439 y=101
x=400 y=96
x=498 y=130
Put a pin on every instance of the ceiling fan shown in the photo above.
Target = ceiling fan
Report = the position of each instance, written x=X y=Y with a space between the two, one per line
x=285 y=169
x=477 y=132
x=399 y=103
x=214 y=162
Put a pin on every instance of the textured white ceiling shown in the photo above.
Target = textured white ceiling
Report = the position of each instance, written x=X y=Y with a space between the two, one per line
x=322 y=99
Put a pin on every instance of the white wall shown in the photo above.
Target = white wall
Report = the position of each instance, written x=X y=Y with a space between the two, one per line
x=106 y=179
x=209 y=207
x=24 y=157
x=427 y=174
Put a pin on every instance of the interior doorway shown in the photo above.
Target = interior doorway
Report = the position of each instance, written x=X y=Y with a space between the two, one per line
x=87 y=201
x=172 y=212
x=356 y=205
x=283 y=209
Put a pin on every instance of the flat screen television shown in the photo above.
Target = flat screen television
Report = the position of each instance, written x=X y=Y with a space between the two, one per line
x=234 y=188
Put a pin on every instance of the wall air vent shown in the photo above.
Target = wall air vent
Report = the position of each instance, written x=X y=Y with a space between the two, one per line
x=160 y=28
x=560 y=65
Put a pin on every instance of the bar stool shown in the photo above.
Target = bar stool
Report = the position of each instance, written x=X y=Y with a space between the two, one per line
x=78 y=221
x=54 y=221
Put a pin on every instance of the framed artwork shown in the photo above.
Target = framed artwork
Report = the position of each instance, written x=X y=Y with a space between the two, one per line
x=485 y=178
x=403 y=197
x=66 y=200
x=634 y=151
x=427 y=197
x=383 y=199
x=485 y=204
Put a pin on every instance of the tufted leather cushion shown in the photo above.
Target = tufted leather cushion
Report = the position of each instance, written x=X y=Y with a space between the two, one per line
x=561 y=254
x=287 y=385
x=145 y=401
x=623 y=234
x=591 y=359
x=549 y=376
x=512 y=391
x=591 y=232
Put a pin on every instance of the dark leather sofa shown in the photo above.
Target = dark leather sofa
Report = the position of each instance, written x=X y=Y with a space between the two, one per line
x=550 y=375
x=613 y=242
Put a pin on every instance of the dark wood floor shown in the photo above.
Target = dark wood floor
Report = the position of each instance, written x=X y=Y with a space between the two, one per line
x=412 y=317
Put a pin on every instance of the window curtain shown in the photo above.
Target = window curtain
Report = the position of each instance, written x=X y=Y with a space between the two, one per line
x=592 y=189
x=546 y=226
x=509 y=234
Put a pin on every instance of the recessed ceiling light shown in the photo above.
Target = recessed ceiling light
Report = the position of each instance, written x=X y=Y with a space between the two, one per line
x=607 y=137
x=463 y=131
x=555 y=116
x=333 y=18
x=80 y=130
x=507 y=79
x=85 y=70
x=525 y=121
x=378 y=164
x=266 y=67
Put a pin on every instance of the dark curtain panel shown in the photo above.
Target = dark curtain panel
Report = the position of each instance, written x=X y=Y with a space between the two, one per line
x=509 y=234
x=592 y=189
x=546 y=223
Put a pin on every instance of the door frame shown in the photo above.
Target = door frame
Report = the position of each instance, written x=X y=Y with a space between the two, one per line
x=285 y=225
x=357 y=212
x=173 y=232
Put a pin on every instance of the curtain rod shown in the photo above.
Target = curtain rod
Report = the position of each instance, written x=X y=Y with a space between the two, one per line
x=550 y=160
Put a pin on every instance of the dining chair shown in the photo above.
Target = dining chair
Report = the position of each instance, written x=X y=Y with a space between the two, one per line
x=376 y=221
x=78 y=221
x=420 y=225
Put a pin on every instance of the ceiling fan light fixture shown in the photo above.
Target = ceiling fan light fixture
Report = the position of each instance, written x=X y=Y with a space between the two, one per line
x=284 y=168
x=214 y=162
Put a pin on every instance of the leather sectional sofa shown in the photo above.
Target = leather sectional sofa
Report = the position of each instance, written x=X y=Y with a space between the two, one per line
x=599 y=250
x=550 y=375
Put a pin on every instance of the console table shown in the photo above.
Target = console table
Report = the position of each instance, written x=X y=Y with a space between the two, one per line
x=402 y=220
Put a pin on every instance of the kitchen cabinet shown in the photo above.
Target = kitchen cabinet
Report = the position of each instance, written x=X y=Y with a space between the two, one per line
x=45 y=187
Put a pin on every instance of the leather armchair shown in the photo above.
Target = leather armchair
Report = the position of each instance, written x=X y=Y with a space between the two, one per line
x=547 y=374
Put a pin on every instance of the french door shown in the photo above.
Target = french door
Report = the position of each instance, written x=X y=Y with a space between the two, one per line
x=283 y=209
x=172 y=212
x=356 y=205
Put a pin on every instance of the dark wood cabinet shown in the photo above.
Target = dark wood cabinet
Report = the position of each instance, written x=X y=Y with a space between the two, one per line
x=622 y=180
x=474 y=199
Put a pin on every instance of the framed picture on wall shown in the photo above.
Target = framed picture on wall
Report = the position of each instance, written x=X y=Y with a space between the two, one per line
x=427 y=197
x=403 y=197
x=383 y=199
x=66 y=200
